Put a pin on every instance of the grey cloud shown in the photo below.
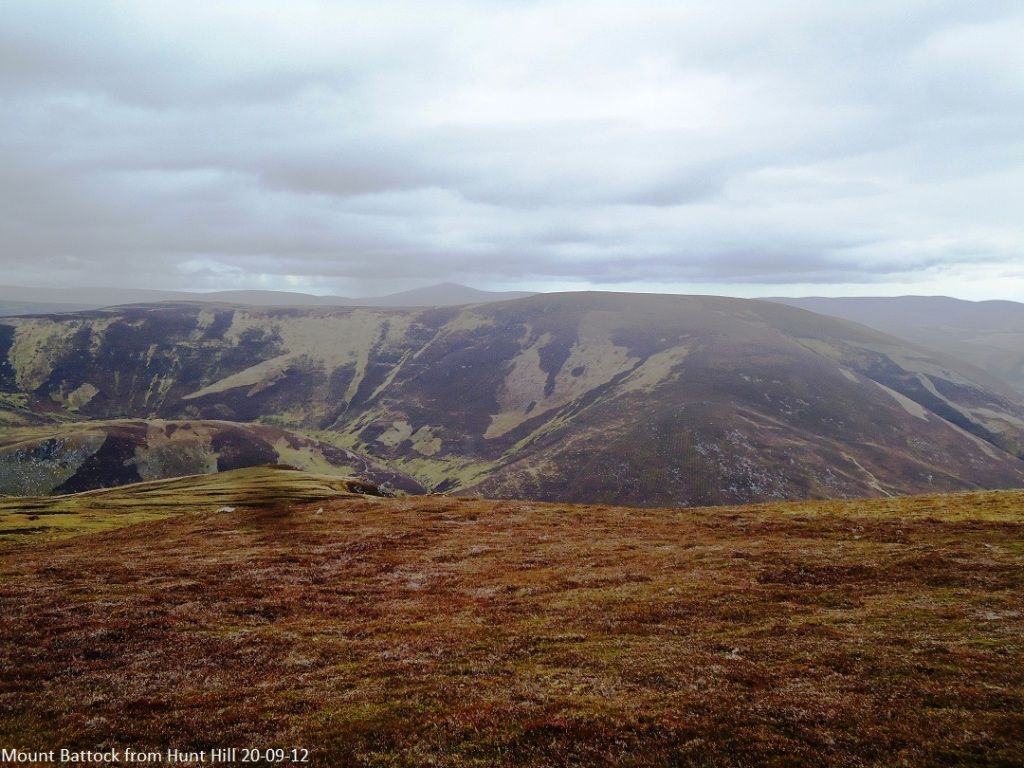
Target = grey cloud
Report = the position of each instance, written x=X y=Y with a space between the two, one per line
x=334 y=145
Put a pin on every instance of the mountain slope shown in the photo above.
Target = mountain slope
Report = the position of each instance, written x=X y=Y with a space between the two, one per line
x=989 y=334
x=68 y=458
x=638 y=399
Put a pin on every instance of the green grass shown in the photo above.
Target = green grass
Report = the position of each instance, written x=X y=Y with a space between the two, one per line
x=26 y=518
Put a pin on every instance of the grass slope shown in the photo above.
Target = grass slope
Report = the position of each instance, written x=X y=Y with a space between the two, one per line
x=460 y=632
x=26 y=518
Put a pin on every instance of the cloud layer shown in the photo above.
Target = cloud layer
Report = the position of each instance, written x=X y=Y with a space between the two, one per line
x=342 y=147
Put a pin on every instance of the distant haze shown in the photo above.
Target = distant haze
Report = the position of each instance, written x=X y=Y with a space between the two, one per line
x=18 y=300
x=989 y=334
x=354 y=149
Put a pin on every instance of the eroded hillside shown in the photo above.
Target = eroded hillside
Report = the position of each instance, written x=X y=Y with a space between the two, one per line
x=82 y=456
x=637 y=399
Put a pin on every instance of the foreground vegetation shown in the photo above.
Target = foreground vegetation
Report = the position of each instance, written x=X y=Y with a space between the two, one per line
x=461 y=632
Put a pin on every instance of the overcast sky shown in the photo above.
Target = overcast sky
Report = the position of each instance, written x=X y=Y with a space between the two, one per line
x=746 y=148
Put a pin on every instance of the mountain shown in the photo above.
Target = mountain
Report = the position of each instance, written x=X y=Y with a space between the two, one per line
x=91 y=297
x=9 y=308
x=989 y=334
x=29 y=301
x=441 y=295
x=592 y=397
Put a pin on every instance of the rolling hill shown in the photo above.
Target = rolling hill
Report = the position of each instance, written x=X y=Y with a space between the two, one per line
x=590 y=397
x=989 y=334
x=283 y=610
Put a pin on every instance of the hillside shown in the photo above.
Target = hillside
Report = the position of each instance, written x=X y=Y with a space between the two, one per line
x=989 y=334
x=640 y=399
x=25 y=518
x=460 y=632
x=72 y=457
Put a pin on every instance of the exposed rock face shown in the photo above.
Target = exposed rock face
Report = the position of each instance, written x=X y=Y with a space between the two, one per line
x=632 y=399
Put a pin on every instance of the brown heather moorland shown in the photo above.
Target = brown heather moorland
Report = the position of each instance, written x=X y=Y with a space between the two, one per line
x=461 y=632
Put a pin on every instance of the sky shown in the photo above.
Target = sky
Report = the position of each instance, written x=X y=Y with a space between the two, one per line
x=741 y=148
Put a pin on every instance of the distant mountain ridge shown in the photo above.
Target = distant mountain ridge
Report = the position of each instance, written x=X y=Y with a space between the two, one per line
x=16 y=300
x=645 y=400
x=989 y=334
